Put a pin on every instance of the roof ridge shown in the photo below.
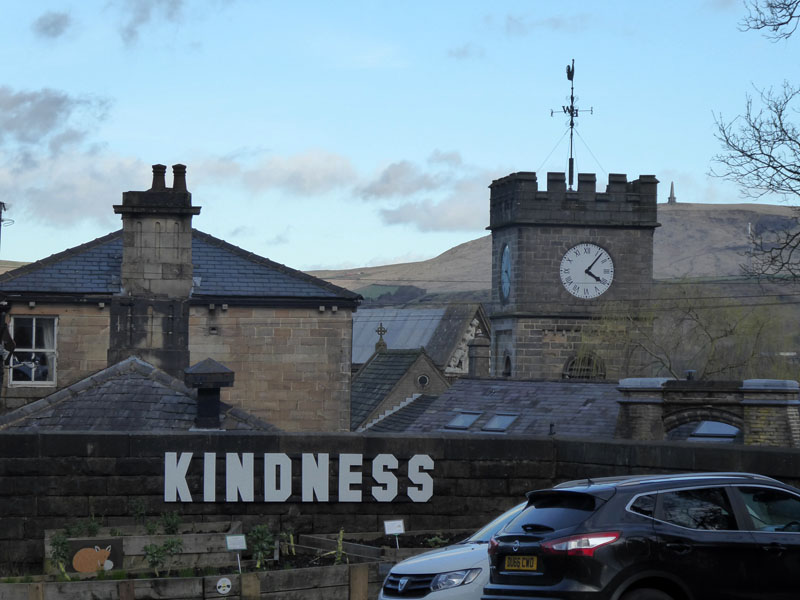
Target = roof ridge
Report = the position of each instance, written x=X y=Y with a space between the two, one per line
x=58 y=257
x=261 y=260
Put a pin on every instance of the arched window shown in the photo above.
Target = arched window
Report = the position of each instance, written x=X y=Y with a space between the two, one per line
x=585 y=366
x=507 y=367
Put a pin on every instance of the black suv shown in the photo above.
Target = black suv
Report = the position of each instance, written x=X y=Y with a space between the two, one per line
x=700 y=536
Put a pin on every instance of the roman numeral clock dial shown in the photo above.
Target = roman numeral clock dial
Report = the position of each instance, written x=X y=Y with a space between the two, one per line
x=586 y=271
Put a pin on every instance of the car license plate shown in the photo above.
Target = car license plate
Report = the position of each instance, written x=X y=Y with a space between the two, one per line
x=521 y=563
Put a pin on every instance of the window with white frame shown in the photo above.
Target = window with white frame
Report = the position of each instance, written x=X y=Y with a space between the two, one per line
x=34 y=360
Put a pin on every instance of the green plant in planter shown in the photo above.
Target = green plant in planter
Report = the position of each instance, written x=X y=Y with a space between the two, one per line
x=170 y=522
x=151 y=527
x=59 y=552
x=287 y=543
x=138 y=508
x=158 y=556
x=339 y=554
x=92 y=526
x=73 y=529
x=435 y=541
x=262 y=543
x=114 y=532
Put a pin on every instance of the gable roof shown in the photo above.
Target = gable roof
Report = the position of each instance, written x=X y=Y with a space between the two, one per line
x=220 y=270
x=574 y=409
x=438 y=330
x=131 y=395
x=376 y=379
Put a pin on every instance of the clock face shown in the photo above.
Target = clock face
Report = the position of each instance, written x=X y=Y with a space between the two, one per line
x=586 y=271
x=505 y=273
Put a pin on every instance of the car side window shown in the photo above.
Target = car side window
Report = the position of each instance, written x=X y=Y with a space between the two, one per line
x=644 y=505
x=703 y=508
x=772 y=509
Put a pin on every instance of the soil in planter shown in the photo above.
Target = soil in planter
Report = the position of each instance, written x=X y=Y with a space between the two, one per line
x=419 y=540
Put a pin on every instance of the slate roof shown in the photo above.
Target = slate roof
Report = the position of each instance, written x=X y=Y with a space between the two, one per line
x=400 y=420
x=575 y=409
x=376 y=379
x=220 y=269
x=438 y=330
x=131 y=396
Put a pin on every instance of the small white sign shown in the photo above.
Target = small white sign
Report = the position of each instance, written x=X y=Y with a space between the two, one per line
x=394 y=527
x=224 y=585
x=236 y=542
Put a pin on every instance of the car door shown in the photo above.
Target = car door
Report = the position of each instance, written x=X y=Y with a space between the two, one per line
x=774 y=520
x=700 y=542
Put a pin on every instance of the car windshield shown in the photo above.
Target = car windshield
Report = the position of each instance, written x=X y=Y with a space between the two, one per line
x=554 y=510
x=485 y=533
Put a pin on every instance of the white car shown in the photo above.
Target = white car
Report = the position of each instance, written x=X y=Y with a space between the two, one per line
x=458 y=571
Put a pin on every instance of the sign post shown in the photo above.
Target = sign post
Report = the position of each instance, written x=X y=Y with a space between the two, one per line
x=394 y=528
x=236 y=543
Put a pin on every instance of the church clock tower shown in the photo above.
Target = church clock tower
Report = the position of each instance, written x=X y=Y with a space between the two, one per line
x=558 y=257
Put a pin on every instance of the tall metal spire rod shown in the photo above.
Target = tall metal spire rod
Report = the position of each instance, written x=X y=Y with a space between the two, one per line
x=572 y=111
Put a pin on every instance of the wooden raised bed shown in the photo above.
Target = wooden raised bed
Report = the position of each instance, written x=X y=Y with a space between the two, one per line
x=203 y=546
x=342 y=582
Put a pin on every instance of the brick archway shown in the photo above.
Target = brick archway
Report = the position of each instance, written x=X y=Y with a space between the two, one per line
x=696 y=414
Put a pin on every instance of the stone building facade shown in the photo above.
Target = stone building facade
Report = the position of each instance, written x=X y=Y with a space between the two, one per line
x=173 y=296
x=542 y=312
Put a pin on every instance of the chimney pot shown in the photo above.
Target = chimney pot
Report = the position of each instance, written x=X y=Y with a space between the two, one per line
x=179 y=178
x=159 y=181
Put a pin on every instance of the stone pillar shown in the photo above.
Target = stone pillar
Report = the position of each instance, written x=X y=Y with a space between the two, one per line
x=479 y=356
x=641 y=409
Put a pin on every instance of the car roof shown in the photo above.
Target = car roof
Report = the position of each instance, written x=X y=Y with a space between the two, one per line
x=593 y=485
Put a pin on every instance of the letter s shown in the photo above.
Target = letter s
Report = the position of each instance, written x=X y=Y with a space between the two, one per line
x=386 y=490
x=417 y=466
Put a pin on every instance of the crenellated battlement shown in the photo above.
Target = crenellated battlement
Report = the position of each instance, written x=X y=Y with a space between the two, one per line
x=516 y=198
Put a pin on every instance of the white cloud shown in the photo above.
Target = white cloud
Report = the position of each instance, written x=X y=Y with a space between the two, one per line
x=139 y=13
x=52 y=24
x=309 y=173
x=465 y=208
x=402 y=178
x=70 y=189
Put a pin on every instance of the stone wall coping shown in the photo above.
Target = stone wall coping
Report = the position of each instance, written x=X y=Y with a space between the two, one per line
x=643 y=383
x=771 y=385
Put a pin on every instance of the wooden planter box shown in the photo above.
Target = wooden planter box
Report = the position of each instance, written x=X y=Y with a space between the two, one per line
x=342 y=582
x=203 y=546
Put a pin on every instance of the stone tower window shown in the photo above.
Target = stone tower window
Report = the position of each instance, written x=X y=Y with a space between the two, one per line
x=585 y=366
x=507 y=367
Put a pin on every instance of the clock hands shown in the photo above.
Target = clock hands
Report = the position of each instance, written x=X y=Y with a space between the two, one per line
x=590 y=274
x=588 y=269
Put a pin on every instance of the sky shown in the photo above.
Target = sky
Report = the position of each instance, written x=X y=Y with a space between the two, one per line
x=345 y=134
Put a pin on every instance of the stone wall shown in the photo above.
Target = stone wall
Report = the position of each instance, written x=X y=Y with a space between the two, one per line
x=292 y=366
x=82 y=334
x=48 y=480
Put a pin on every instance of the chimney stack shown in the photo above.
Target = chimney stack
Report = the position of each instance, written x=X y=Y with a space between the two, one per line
x=178 y=178
x=150 y=314
x=207 y=377
x=159 y=181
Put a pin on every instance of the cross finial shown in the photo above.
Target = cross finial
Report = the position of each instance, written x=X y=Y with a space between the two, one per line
x=380 y=344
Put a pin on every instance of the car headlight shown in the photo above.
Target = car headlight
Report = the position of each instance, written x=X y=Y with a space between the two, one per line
x=452 y=579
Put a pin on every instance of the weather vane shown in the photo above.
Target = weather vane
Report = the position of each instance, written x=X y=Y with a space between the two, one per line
x=572 y=111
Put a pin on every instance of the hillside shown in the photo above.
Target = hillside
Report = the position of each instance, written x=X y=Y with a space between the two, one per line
x=694 y=240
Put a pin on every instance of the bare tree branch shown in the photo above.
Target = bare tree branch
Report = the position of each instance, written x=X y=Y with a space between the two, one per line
x=777 y=18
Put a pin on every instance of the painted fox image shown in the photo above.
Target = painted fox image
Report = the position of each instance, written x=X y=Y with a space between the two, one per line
x=90 y=560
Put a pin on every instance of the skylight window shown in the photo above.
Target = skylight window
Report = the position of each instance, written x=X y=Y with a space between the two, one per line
x=463 y=420
x=500 y=422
